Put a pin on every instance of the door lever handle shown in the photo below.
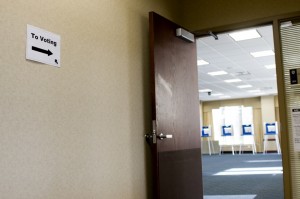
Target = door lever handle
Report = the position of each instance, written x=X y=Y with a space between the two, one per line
x=162 y=136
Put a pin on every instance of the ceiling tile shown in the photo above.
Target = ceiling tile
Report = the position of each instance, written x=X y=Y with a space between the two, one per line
x=234 y=58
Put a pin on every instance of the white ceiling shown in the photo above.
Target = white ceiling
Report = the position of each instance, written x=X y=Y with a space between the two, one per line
x=234 y=57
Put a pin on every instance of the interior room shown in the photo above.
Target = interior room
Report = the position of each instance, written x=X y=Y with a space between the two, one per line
x=77 y=131
x=239 y=104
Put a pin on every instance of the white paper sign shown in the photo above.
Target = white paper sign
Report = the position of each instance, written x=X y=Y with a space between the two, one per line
x=43 y=46
x=296 y=128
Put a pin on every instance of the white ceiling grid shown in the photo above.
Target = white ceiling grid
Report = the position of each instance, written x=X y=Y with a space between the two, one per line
x=226 y=54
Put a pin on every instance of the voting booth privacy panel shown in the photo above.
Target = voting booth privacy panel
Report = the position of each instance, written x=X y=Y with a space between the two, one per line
x=248 y=133
x=227 y=130
x=207 y=142
x=271 y=134
x=246 y=139
x=251 y=114
x=226 y=137
x=247 y=129
x=206 y=131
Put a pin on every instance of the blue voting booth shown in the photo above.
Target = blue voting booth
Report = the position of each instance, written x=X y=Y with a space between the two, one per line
x=227 y=135
x=248 y=132
x=271 y=133
x=206 y=134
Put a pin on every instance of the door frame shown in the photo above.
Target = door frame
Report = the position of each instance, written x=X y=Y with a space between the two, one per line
x=275 y=21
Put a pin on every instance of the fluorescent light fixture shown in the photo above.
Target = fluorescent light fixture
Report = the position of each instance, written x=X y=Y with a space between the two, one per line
x=251 y=171
x=247 y=173
x=254 y=91
x=245 y=86
x=217 y=94
x=221 y=72
x=260 y=93
x=262 y=53
x=272 y=66
x=232 y=80
x=204 y=90
x=245 y=35
x=224 y=96
x=201 y=62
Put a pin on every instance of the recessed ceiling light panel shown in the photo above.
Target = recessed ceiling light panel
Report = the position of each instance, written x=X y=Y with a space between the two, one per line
x=204 y=90
x=217 y=73
x=262 y=53
x=224 y=96
x=217 y=94
x=272 y=66
x=260 y=93
x=245 y=86
x=245 y=35
x=201 y=62
x=254 y=91
x=232 y=80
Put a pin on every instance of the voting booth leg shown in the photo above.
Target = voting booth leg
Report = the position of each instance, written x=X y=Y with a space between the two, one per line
x=210 y=146
x=241 y=143
x=208 y=143
x=278 y=144
x=232 y=147
x=253 y=146
x=265 y=143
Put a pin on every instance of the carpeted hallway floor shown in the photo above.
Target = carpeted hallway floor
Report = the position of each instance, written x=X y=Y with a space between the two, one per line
x=244 y=176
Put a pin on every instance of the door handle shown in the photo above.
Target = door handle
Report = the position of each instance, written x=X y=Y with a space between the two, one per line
x=152 y=137
x=162 y=136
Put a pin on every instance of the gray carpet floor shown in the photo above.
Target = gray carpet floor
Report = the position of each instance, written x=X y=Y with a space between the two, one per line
x=244 y=176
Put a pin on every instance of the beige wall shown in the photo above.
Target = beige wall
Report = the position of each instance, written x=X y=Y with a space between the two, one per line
x=76 y=131
x=203 y=14
x=268 y=108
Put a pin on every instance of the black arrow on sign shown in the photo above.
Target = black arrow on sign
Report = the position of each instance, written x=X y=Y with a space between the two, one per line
x=48 y=52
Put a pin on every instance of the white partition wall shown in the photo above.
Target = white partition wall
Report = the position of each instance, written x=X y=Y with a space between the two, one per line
x=235 y=116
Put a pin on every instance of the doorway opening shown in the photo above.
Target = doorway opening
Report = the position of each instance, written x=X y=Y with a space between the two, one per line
x=239 y=114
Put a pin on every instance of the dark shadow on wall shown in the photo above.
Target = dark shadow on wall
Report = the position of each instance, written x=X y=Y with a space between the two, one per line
x=139 y=73
x=147 y=105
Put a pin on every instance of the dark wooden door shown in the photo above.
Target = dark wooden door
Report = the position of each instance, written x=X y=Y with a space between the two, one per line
x=175 y=111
